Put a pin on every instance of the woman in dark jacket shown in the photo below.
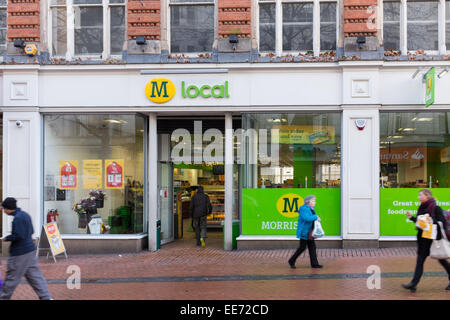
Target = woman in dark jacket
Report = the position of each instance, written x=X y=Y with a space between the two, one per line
x=428 y=205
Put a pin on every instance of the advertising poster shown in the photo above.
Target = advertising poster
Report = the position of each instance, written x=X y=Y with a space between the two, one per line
x=395 y=202
x=114 y=174
x=68 y=174
x=291 y=134
x=54 y=238
x=275 y=211
x=429 y=87
x=92 y=174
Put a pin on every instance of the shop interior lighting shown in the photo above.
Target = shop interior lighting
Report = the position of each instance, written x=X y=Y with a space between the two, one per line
x=115 y=121
x=424 y=119
x=442 y=73
x=409 y=129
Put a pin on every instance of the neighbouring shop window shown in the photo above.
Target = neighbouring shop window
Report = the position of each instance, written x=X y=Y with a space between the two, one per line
x=414 y=154
x=296 y=20
x=88 y=26
x=290 y=156
x=422 y=30
x=191 y=25
x=3 y=14
x=94 y=173
x=391 y=25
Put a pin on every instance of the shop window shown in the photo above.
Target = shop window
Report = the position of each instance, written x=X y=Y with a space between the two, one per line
x=414 y=154
x=447 y=24
x=297 y=28
x=88 y=25
x=86 y=157
x=391 y=25
x=288 y=157
x=191 y=26
x=3 y=14
x=422 y=27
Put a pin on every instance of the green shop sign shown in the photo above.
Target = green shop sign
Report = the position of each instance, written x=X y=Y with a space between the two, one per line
x=275 y=211
x=429 y=87
x=395 y=202
x=206 y=91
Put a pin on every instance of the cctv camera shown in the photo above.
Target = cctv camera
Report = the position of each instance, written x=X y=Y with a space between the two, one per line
x=19 y=124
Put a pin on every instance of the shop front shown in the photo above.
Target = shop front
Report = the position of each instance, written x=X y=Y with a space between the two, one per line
x=115 y=153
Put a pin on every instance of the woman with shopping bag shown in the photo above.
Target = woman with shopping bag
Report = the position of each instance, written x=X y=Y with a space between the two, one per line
x=427 y=206
x=305 y=226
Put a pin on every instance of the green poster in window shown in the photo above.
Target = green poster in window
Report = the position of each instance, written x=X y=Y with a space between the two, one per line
x=395 y=202
x=275 y=211
x=429 y=87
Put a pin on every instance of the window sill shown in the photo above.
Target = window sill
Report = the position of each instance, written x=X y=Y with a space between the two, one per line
x=104 y=236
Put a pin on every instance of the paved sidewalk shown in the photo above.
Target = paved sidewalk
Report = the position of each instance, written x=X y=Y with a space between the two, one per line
x=183 y=271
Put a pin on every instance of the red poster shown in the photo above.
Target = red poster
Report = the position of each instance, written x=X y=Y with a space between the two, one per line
x=68 y=174
x=114 y=174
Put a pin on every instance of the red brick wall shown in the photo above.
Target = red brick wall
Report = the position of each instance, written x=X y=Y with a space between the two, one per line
x=235 y=18
x=23 y=20
x=356 y=18
x=144 y=19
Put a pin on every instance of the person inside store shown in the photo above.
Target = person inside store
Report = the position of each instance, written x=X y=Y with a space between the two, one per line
x=305 y=227
x=427 y=205
x=199 y=208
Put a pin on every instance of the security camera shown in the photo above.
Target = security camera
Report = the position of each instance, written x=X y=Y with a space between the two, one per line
x=19 y=124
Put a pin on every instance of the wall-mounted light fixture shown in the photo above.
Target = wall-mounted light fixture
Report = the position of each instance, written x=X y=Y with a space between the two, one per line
x=360 y=40
x=234 y=40
x=140 y=40
x=443 y=73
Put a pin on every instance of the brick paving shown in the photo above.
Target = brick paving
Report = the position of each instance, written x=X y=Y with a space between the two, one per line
x=183 y=271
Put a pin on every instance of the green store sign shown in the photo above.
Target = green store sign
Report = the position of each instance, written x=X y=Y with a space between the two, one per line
x=429 y=87
x=396 y=201
x=275 y=211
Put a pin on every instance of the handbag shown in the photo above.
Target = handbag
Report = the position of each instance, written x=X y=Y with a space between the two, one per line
x=318 y=230
x=440 y=249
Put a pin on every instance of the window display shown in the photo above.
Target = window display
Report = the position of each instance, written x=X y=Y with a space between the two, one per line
x=414 y=154
x=94 y=173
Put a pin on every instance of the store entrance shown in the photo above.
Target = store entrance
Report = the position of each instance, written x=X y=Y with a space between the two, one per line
x=182 y=169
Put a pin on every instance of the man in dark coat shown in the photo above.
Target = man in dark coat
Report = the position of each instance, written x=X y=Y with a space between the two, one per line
x=22 y=259
x=199 y=208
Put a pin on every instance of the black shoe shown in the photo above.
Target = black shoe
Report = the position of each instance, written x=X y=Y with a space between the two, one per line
x=317 y=266
x=292 y=265
x=410 y=286
x=448 y=287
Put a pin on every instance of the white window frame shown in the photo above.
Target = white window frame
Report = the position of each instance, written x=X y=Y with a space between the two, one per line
x=70 y=54
x=169 y=4
x=279 y=24
x=404 y=28
x=6 y=28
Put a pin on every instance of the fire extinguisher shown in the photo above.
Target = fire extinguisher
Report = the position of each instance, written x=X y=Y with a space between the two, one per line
x=52 y=216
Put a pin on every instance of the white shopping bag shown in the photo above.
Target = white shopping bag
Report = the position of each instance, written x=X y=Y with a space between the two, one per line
x=318 y=230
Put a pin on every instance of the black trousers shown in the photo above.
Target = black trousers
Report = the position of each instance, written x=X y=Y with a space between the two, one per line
x=423 y=251
x=312 y=252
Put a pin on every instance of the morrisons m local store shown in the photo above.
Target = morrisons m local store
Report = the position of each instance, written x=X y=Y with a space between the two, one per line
x=125 y=146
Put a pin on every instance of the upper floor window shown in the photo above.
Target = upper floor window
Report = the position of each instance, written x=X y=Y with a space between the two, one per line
x=95 y=27
x=420 y=20
x=297 y=25
x=3 y=11
x=191 y=25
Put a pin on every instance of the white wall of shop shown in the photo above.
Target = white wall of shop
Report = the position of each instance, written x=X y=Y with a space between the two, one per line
x=360 y=89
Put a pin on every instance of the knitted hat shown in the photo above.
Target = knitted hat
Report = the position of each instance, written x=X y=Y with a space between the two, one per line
x=9 y=203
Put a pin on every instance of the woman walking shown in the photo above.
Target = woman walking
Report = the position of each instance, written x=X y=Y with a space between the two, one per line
x=305 y=226
x=427 y=205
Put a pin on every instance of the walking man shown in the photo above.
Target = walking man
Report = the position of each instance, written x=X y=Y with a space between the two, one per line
x=22 y=259
x=199 y=208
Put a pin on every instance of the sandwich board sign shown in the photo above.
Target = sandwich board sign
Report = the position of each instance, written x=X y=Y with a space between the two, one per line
x=50 y=240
